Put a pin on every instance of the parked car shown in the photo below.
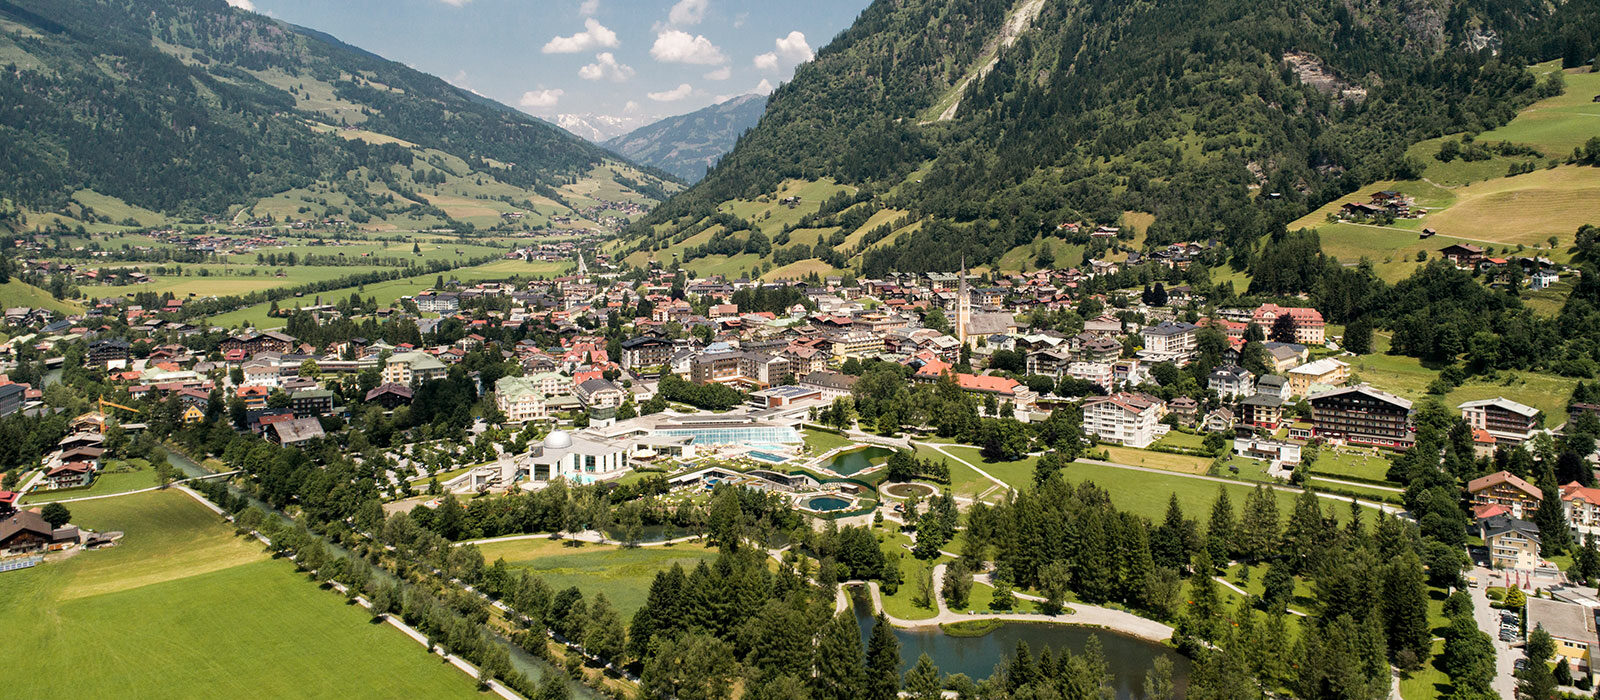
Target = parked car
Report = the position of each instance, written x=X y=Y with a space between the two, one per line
x=1521 y=663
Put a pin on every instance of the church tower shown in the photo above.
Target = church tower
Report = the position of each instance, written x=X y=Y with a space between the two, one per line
x=963 y=304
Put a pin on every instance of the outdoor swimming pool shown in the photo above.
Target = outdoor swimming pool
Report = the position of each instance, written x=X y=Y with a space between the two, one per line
x=826 y=503
x=768 y=457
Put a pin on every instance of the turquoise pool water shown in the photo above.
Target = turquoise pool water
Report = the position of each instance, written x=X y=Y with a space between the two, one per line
x=768 y=457
x=827 y=503
x=737 y=435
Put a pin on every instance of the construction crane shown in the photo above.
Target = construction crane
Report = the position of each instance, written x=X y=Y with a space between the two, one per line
x=104 y=403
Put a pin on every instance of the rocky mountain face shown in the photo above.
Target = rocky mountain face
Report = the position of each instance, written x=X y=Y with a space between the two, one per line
x=688 y=145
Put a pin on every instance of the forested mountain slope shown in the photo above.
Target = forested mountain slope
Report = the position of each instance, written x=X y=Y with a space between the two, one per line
x=687 y=144
x=190 y=107
x=1224 y=119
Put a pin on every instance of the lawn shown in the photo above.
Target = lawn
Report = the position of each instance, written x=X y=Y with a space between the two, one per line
x=1146 y=494
x=1371 y=464
x=821 y=441
x=624 y=575
x=1525 y=209
x=901 y=604
x=1187 y=464
x=118 y=477
x=182 y=608
x=1430 y=681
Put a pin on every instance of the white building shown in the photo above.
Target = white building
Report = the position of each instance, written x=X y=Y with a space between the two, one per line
x=1232 y=381
x=408 y=367
x=1170 y=338
x=1326 y=371
x=1133 y=420
x=264 y=373
x=581 y=459
x=1100 y=373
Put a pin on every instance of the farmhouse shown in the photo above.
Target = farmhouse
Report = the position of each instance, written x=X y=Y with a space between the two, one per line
x=27 y=531
x=1506 y=490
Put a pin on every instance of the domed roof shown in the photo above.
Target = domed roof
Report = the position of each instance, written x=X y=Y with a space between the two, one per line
x=558 y=440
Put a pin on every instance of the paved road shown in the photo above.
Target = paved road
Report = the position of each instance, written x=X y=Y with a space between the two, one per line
x=1505 y=655
x=1082 y=614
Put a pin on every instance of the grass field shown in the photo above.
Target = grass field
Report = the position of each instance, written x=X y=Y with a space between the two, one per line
x=821 y=441
x=182 y=608
x=15 y=292
x=1525 y=209
x=624 y=575
x=1374 y=467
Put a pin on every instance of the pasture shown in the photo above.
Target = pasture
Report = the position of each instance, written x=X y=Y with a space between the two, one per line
x=182 y=608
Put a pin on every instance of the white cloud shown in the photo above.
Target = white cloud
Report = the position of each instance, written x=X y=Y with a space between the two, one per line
x=533 y=99
x=606 y=67
x=588 y=7
x=687 y=12
x=673 y=46
x=722 y=73
x=794 y=48
x=245 y=5
x=672 y=95
x=791 y=50
x=763 y=88
x=631 y=106
x=593 y=35
x=452 y=3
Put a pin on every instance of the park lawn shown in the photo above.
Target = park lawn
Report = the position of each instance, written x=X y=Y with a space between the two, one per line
x=108 y=482
x=182 y=608
x=1430 y=681
x=623 y=574
x=1018 y=474
x=964 y=480
x=1178 y=438
x=1372 y=465
x=981 y=600
x=820 y=441
x=901 y=604
x=1302 y=600
x=1145 y=494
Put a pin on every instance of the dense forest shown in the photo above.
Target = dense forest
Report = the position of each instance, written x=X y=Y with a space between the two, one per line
x=1224 y=119
x=164 y=104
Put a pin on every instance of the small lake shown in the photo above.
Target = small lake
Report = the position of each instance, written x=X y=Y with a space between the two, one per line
x=848 y=463
x=1127 y=658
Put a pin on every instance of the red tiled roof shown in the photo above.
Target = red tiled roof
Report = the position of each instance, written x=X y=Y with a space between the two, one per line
x=1502 y=477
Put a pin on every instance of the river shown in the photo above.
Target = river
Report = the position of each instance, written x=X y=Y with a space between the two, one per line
x=1127 y=658
x=530 y=666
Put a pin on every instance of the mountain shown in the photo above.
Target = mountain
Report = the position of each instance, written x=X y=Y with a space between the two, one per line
x=932 y=131
x=597 y=128
x=191 y=109
x=687 y=145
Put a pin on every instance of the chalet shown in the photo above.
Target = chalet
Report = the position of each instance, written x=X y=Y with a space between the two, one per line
x=1362 y=414
x=27 y=531
x=390 y=395
x=1463 y=255
x=1503 y=488
x=69 y=476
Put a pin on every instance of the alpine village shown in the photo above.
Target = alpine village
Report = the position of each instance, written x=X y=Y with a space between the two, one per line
x=1008 y=349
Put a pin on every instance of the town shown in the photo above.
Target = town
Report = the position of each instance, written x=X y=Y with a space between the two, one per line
x=854 y=401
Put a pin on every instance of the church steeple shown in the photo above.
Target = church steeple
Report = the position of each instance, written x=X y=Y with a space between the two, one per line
x=963 y=304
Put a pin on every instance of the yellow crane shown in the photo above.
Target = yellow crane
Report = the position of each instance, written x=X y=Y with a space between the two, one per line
x=104 y=403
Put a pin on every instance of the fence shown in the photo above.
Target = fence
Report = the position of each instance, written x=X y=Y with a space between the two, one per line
x=21 y=563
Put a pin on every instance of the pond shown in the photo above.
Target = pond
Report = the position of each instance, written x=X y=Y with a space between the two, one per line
x=1127 y=658
x=824 y=503
x=848 y=463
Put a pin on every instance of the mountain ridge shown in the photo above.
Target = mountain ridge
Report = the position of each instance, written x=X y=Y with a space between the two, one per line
x=687 y=145
x=193 y=107
x=1186 y=111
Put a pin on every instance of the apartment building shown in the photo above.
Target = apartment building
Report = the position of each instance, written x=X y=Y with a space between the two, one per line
x=1362 y=414
x=1126 y=418
x=1506 y=420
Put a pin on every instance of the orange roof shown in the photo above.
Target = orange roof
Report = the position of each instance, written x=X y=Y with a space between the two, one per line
x=1482 y=437
x=984 y=382
x=1578 y=492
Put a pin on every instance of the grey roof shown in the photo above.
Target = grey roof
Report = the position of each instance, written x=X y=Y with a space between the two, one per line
x=1502 y=524
x=1265 y=400
x=1368 y=391
x=1562 y=620
x=298 y=430
x=1169 y=328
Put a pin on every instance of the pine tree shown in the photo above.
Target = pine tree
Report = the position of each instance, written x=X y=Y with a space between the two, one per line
x=840 y=673
x=923 y=680
x=883 y=661
x=1205 y=605
x=1305 y=535
x=1220 y=530
x=1555 y=536
x=1170 y=542
x=1403 y=600
x=1258 y=528
x=605 y=636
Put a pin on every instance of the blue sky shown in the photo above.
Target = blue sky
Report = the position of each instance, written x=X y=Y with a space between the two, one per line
x=636 y=58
